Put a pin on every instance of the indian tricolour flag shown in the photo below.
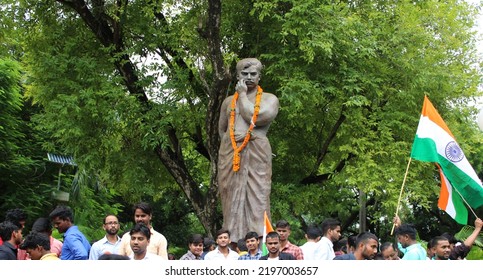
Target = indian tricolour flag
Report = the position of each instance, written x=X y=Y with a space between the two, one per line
x=267 y=227
x=451 y=202
x=434 y=142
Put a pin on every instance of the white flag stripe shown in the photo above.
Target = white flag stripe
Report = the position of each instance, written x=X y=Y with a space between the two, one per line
x=429 y=129
x=449 y=204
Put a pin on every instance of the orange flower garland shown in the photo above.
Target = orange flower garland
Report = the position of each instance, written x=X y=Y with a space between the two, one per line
x=237 y=150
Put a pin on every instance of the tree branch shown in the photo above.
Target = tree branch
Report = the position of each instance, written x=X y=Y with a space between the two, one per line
x=103 y=32
x=177 y=58
x=315 y=179
x=325 y=146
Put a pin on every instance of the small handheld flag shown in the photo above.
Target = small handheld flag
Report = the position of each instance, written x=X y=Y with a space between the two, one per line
x=267 y=227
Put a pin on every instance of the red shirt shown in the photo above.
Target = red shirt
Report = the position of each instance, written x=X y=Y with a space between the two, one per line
x=293 y=250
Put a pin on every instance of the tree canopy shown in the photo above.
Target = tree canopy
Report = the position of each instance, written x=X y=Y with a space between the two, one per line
x=132 y=89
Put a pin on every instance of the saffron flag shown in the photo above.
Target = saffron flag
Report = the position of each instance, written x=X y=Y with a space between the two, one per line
x=434 y=142
x=451 y=202
x=267 y=227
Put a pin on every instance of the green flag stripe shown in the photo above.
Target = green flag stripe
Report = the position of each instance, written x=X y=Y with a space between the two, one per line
x=461 y=211
x=424 y=150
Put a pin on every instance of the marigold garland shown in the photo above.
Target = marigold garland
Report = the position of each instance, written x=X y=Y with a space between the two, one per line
x=237 y=150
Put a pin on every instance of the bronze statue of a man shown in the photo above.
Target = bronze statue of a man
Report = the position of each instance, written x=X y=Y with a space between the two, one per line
x=245 y=155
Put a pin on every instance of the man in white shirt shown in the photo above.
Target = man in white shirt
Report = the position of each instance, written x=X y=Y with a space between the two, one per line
x=222 y=251
x=331 y=233
x=111 y=242
x=309 y=248
x=140 y=239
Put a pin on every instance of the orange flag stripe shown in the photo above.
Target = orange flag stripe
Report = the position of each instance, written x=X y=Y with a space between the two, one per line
x=430 y=112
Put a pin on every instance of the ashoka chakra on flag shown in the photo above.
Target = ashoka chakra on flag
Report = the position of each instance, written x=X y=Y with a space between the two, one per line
x=453 y=152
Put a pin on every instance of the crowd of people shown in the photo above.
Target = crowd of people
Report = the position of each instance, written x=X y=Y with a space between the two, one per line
x=142 y=242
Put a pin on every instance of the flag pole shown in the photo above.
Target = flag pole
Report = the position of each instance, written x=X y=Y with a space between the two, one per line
x=400 y=193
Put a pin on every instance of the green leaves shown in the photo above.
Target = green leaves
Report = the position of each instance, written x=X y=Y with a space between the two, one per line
x=350 y=81
x=350 y=78
x=10 y=106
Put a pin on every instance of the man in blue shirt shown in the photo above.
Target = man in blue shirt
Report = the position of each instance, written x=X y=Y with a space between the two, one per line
x=407 y=243
x=76 y=246
x=440 y=248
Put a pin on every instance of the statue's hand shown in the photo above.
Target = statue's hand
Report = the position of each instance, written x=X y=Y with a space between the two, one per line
x=241 y=87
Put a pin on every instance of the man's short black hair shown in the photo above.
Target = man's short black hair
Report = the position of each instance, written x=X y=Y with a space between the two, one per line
x=42 y=225
x=113 y=257
x=141 y=228
x=251 y=234
x=435 y=240
x=34 y=239
x=329 y=223
x=63 y=212
x=6 y=230
x=364 y=237
x=242 y=245
x=282 y=224
x=408 y=229
x=341 y=245
x=144 y=206
x=16 y=216
x=386 y=245
x=313 y=232
x=195 y=239
x=273 y=234
x=222 y=231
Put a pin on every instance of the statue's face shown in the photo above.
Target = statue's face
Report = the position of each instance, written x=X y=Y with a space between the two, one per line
x=250 y=75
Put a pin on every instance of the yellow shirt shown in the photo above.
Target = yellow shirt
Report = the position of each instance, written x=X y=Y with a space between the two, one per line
x=50 y=257
x=157 y=244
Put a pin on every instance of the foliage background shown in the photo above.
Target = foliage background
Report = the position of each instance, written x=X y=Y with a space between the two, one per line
x=132 y=90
